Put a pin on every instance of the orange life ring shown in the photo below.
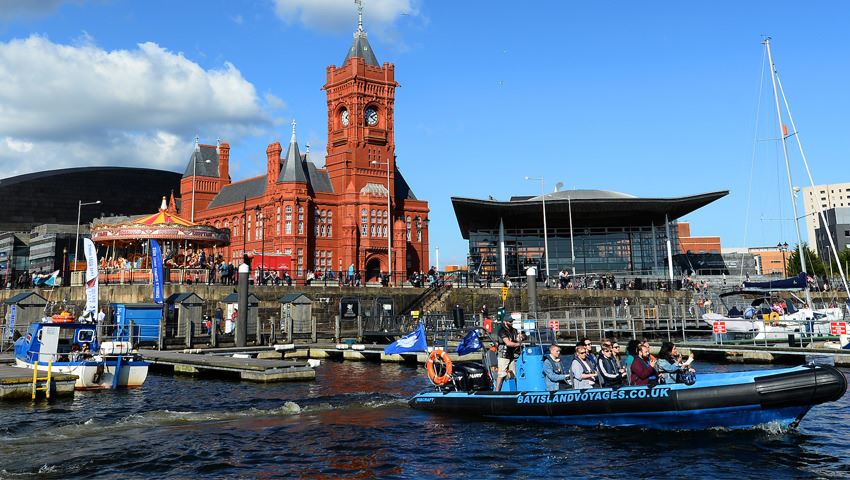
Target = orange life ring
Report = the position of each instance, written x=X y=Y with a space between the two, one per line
x=62 y=318
x=432 y=370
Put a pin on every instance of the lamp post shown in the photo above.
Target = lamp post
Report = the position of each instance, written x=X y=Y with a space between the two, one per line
x=194 y=169
x=389 y=222
x=262 y=225
x=64 y=256
x=77 y=238
x=572 y=245
x=783 y=247
x=545 y=229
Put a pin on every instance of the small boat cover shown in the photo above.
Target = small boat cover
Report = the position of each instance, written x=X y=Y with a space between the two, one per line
x=794 y=283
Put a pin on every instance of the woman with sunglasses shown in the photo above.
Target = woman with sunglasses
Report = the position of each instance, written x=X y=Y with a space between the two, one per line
x=582 y=371
x=611 y=371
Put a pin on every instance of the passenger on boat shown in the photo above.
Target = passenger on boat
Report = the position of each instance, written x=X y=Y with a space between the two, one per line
x=611 y=373
x=554 y=374
x=643 y=368
x=590 y=356
x=85 y=352
x=75 y=354
x=509 y=345
x=670 y=362
x=582 y=371
x=631 y=353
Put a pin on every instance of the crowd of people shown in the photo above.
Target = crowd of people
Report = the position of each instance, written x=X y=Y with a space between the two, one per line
x=611 y=368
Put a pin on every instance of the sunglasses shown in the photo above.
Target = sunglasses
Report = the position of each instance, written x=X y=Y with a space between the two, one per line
x=616 y=346
x=581 y=353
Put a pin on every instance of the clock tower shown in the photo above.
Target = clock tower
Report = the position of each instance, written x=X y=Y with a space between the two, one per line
x=361 y=140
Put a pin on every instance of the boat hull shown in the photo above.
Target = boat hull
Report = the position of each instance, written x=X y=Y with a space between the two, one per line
x=736 y=400
x=761 y=330
x=94 y=375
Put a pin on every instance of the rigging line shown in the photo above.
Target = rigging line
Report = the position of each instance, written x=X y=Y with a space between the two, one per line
x=753 y=159
x=812 y=182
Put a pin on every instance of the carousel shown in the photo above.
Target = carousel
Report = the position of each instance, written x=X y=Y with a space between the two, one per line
x=123 y=245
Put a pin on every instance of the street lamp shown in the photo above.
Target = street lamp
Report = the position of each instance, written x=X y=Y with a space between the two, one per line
x=64 y=256
x=389 y=221
x=77 y=239
x=194 y=169
x=783 y=247
x=545 y=229
x=262 y=223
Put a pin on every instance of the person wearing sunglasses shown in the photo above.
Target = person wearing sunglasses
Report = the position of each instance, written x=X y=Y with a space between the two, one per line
x=583 y=372
x=611 y=373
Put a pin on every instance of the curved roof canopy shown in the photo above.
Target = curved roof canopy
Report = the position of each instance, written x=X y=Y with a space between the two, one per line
x=162 y=225
x=590 y=208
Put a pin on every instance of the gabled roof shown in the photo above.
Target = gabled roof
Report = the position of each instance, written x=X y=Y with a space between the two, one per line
x=198 y=162
x=185 y=297
x=295 y=298
x=234 y=298
x=360 y=48
x=20 y=297
x=236 y=192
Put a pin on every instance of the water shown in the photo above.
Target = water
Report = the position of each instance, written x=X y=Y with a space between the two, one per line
x=353 y=421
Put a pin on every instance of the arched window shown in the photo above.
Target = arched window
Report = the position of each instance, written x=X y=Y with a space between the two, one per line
x=288 y=220
x=364 y=222
x=407 y=224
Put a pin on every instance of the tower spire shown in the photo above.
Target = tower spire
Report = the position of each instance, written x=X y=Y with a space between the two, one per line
x=359 y=15
x=292 y=140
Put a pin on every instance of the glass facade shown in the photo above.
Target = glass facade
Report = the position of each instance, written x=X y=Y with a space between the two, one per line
x=628 y=250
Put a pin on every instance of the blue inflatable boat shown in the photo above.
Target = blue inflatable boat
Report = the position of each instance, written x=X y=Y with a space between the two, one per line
x=721 y=400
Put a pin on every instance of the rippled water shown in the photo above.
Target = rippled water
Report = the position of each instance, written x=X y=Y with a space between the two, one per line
x=353 y=421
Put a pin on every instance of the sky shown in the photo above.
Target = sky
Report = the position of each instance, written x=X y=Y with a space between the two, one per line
x=654 y=99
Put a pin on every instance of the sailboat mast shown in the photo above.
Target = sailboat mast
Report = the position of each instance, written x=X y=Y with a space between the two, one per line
x=784 y=138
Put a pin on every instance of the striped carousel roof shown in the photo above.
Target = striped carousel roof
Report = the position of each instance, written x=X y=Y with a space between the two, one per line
x=163 y=217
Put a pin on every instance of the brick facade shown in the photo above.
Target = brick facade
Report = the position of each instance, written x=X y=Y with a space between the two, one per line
x=324 y=218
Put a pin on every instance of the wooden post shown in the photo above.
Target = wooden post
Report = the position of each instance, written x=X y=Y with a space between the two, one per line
x=259 y=327
x=290 y=324
x=583 y=324
x=359 y=328
x=161 y=334
x=313 y=329
x=132 y=333
x=272 y=336
x=189 y=324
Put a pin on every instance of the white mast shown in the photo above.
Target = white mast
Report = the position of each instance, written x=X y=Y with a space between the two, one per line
x=784 y=137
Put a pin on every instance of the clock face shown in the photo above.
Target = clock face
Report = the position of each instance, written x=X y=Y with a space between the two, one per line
x=371 y=116
x=344 y=118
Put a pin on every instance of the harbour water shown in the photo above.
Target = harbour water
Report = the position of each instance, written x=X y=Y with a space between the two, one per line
x=353 y=421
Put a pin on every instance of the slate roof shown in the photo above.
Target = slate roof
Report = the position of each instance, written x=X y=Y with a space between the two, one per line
x=236 y=192
x=183 y=297
x=319 y=180
x=402 y=189
x=292 y=297
x=23 y=296
x=292 y=169
x=360 y=48
x=234 y=298
x=201 y=167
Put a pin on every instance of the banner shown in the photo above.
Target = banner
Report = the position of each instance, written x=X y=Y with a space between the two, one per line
x=470 y=343
x=156 y=271
x=91 y=277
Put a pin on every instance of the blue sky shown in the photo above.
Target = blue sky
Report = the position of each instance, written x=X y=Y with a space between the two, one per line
x=654 y=99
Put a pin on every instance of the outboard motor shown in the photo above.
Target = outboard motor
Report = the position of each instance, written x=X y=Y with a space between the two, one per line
x=470 y=377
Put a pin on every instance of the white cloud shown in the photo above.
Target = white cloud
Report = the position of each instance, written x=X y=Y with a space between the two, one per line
x=275 y=102
x=64 y=105
x=341 y=15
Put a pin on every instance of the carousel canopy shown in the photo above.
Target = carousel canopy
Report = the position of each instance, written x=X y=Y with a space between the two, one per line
x=162 y=225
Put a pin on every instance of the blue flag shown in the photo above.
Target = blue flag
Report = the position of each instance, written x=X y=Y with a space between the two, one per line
x=412 y=342
x=470 y=343
x=156 y=271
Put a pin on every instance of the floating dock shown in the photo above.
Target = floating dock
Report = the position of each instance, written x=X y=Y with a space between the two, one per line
x=251 y=369
x=16 y=383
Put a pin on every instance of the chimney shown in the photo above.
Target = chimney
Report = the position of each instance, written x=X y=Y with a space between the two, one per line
x=273 y=154
x=224 y=161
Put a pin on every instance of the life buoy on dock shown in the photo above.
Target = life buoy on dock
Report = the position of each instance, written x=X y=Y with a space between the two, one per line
x=774 y=317
x=441 y=357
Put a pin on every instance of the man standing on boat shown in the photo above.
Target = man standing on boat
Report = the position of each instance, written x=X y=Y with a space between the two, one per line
x=509 y=345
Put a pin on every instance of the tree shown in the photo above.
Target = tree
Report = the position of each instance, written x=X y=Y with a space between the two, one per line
x=814 y=265
x=844 y=258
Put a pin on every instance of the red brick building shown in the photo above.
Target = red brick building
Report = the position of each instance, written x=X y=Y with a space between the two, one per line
x=323 y=218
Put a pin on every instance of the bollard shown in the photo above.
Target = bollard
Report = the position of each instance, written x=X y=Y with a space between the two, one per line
x=242 y=318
